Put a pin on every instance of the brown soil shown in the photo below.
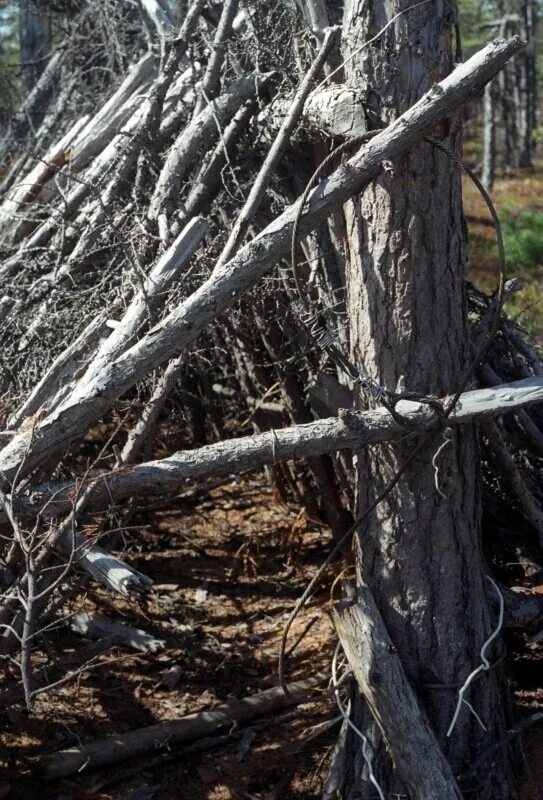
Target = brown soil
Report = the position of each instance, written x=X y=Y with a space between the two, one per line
x=227 y=568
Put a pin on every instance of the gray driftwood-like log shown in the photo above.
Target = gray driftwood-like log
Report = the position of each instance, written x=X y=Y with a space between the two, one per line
x=101 y=628
x=348 y=431
x=416 y=754
x=104 y=567
x=200 y=133
x=152 y=296
x=171 y=734
x=334 y=111
x=182 y=326
x=62 y=371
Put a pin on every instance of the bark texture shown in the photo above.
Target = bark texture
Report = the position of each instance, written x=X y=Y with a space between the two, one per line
x=420 y=551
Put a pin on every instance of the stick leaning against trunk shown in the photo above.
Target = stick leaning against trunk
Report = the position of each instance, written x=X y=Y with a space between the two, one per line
x=417 y=756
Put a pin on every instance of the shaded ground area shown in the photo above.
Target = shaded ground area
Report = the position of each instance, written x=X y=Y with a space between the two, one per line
x=227 y=565
x=227 y=570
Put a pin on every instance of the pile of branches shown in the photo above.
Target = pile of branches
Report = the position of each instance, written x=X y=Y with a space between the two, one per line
x=148 y=153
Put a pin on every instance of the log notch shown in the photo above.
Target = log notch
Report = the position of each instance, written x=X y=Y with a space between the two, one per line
x=406 y=306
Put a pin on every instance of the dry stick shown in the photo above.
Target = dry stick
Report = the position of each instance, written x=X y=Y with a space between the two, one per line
x=417 y=756
x=529 y=505
x=224 y=287
x=160 y=15
x=145 y=426
x=63 y=369
x=199 y=134
x=151 y=298
x=210 y=177
x=212 y=77
x=29 y=188
x=348 y=431
x=276 y=151
x=145 y=136
x=168 y=734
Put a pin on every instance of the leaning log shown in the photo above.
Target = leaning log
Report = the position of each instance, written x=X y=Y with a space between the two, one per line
x=165 y=735
x=421 y=766
x=183 y=325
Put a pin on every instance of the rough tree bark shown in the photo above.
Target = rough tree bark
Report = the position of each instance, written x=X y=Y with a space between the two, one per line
x=420 y=551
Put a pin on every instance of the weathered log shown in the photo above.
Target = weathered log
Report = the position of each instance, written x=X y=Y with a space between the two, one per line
x=200 y=133
x=104 y=567
x=64 y=369
x=168 y=734
x=349 y=431
x=184 y=323
x=415 y=751
x=330 y=112
x=101 y=628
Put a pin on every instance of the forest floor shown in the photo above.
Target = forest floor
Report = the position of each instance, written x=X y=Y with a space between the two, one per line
x=228 y=562
x=518 y=198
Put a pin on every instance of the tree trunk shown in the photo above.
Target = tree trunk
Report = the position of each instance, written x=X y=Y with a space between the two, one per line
x=420 y=551
x=35 y=42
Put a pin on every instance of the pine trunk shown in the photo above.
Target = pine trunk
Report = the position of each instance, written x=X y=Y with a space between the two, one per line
x=420 y=552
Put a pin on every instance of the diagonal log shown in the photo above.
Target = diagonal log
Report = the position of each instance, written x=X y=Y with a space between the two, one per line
x=348 y=431
x=417 y=756
x=94 y=398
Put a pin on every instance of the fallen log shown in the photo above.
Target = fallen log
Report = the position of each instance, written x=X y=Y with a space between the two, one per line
x=165 y=735
x=182 y=326
x=101 y=628
x=421 y=766
x=348 y=431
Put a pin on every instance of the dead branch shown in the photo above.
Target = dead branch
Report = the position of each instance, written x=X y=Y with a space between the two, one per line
x=419 y=762
x=184 y=324
x=169 y=734
x=348 y=431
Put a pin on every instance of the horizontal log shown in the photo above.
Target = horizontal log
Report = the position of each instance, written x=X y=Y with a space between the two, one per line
x=174 y=733
x=348 y=431
x=181 y=327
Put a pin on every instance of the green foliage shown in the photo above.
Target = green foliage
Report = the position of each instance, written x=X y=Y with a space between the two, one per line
x=523 y=238
x=472 y=14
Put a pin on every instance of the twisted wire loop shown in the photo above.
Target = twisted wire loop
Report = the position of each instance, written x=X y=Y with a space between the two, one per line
x=324 y=338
